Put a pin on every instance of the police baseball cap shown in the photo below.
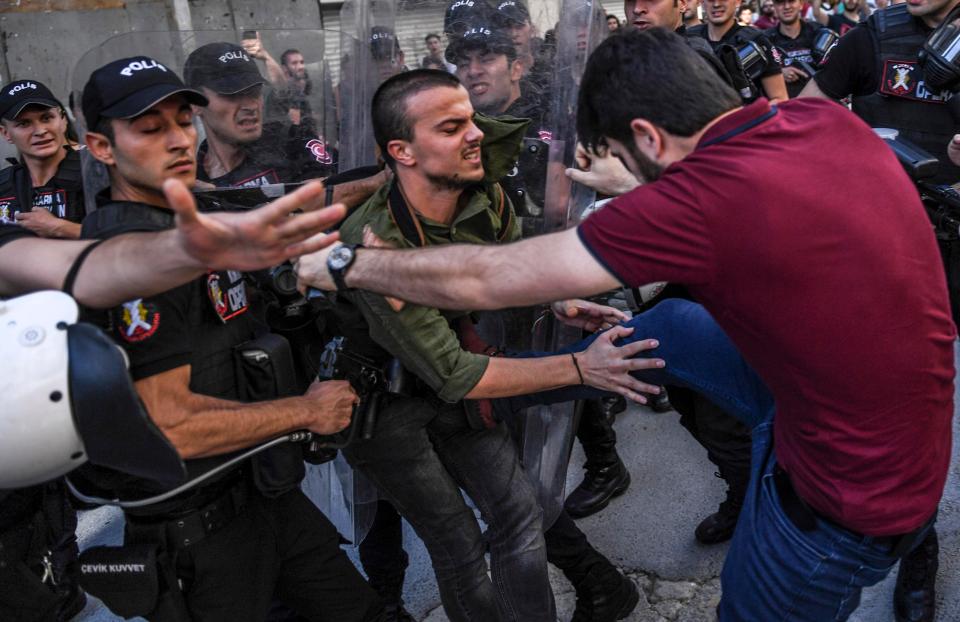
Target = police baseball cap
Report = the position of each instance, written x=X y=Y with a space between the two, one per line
x=461 y=13
x=18 y=95
x=224 y=68
x=483 y=37
x=131 y=86
x=383 y=43
x=512 y=11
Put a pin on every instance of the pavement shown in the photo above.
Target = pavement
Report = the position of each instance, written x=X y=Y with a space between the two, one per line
x=648 y=532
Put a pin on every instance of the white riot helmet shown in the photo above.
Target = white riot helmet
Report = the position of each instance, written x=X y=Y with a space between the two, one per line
x=68 y=399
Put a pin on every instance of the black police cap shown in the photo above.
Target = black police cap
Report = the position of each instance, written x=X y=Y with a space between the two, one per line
x=513 y=11
x=131 y=86
x=461 y=13
x=383 y=43
x=18 y=95
x=224 y=68
x=483 y=37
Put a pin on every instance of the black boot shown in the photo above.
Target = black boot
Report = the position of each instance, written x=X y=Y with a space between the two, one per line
x=599 y=486
x=660 y=403
x=612 y=406
x=915 y=597
x=719 y=526
x=604 y=595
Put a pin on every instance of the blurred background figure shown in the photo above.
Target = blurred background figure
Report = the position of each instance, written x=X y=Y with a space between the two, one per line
x=435 y=54
x=613 y=24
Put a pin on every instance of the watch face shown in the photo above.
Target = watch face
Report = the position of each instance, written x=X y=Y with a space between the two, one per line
x=340 y=257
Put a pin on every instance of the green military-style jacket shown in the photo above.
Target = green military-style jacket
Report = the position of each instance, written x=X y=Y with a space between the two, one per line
x=422 y=337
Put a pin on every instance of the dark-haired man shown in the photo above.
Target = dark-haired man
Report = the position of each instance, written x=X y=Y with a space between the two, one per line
x=434 y=437
x=837 y=494
x=246 y=534
x=290 y=98
x=42 y=191
x=435 y=53
x=841 y=22
x=721 y=28
x=794 y=37
x=242 y=148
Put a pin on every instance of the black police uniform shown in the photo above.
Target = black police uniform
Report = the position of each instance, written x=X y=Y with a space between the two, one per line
x=739 y=35
x=840 y=24
x=877 y=64
x=39 y=574
x=247 y=535
x=284 y=153
x=62 y=196
x=39 y=571
x=795 y=51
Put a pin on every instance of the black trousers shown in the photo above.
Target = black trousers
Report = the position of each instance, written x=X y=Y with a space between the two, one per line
x=47 y=529
x=277 y=548
x=725 y=438
x=595 y=432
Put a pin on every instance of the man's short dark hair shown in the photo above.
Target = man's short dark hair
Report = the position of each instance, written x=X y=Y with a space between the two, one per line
x=432 y=35
x=105 y=126
x=652 y=74
x=389 y=109
x=612 y=16
x=287 y=54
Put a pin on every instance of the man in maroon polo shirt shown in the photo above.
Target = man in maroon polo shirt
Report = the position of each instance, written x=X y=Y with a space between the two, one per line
x=837 y=300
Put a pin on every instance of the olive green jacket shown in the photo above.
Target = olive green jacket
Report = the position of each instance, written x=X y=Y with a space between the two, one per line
x=422 y=337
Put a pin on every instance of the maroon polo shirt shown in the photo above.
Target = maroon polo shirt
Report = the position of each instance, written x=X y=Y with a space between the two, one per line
x=799 y=231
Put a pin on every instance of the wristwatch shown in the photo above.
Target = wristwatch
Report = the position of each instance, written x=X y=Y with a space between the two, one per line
x=339 y=261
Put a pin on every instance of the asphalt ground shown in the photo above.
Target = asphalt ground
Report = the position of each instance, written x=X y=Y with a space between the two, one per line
x=648 y=532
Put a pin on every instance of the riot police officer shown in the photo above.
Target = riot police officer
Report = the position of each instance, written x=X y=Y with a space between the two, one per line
x=42 y=190
x=878 y=65
x=243 y=148
x=224 y=548
x=794 y=37
x=721 y=28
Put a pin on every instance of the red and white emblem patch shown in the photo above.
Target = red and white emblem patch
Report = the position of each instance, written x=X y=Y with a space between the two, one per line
x=545 y=135
x=320 y=152
x=138 y=321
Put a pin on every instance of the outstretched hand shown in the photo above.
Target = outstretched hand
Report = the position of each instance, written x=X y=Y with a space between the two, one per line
x=587 y=315
x=606 y=366
x=253 y=239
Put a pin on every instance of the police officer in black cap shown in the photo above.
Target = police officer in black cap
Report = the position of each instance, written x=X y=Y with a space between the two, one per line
x=227 y=546
x=42 y=190
x=878 y=64
x=243 y=148
x=39 y=573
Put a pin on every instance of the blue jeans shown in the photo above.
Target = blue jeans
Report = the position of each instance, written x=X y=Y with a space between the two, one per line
x=773 y=570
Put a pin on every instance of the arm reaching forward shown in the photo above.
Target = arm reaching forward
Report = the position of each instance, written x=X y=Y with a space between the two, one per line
x=460 y=276
x=141 y=264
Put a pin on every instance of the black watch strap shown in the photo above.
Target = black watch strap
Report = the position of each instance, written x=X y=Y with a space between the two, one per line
x=339 y=274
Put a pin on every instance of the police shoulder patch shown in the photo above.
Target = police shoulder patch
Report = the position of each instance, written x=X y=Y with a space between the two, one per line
x=321 y=153
x=138 y=320
x=904 y=78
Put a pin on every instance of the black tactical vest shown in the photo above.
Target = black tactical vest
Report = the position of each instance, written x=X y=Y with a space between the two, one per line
x=902 y=100
x=221 y=321
x=62 y=196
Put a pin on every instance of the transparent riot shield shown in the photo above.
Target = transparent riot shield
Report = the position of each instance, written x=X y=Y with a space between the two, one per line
x=267 y=126
x=370 y=54
x=549 y=431
x=263 y=132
